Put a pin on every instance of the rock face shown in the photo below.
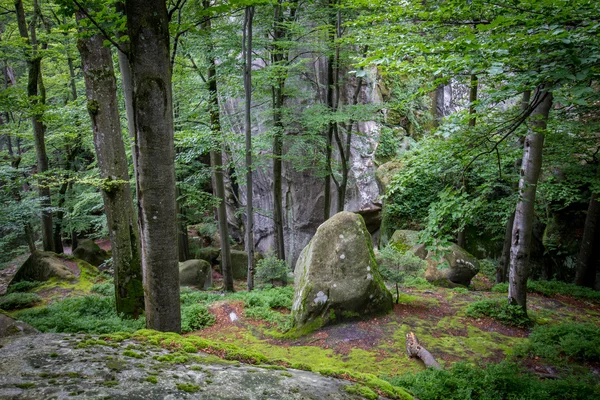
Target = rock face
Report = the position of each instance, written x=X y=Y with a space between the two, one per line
x=196 y=273
x=336 y=274
x=10 y=327
x=89 y=251
x=457 y=266
x=41 y=266
x=50 y=366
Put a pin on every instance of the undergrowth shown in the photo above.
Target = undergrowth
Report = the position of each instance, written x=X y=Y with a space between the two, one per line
x=502 y=381
x=579 y=341
x=499 y=310
x=551 y=288
x=195 y=317
x=23 y=286
x=14 y=301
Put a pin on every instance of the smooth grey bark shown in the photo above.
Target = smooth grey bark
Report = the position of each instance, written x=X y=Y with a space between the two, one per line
x=183 y=243
x=216 y=162
x=247 y=56
x=34 y=61
x=332 y=70
x=101 y=92
x=148 y=31
x=590 y=242
x=524 y=213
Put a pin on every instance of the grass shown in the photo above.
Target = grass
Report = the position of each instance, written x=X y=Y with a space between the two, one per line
x=499 y=310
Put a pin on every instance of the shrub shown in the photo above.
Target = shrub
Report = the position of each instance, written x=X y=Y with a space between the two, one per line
x=104 y=289
x=505 y=380
x=271 y=269
x=195 y=317
x=90 y=314
x=500 y=288
x=551 y=288
x=23 y=286
x=499 y=310
x=488 y=268
x=395 y=266
x=15 y=301
x=580 y=341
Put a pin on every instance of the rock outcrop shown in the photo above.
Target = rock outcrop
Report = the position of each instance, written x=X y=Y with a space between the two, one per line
x=89 y=251
x=41 y=266
x=336 y=274
x=11 y=327
x=456 y=266
x=196 y=273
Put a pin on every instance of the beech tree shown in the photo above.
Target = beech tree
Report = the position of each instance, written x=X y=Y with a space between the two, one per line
x=101 y=91
x=149 y=60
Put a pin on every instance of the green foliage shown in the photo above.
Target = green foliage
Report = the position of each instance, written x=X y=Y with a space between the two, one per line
x=488 y=268
x=23 y=286
x=396 y=266
x=104 y=289
x=188 y=387
x=195 y=317
x=270 y=269
x=388 y=146
x=503 y=381
x=499 y=310
x=90 y=314
x=580 y=341
x=551 y=288
x=13 y=301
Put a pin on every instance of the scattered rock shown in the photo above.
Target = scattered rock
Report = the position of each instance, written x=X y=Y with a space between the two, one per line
x=41 y=266
x=196 y=273
x=89 y=251
x=456 y=266
x=11 y=327
x=336 y=274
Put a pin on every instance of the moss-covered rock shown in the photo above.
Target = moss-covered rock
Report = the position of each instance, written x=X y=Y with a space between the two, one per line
x=209 y=254
x=195 y=273
x=89 y=251
x=10 y=327
x=41 y=266
x=456 y=266
x=336 y=274
x=239 y=263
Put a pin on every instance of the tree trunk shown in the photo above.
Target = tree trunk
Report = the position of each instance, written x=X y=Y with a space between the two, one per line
x=331 y=101
x=183 y=243
x=247 y=52
x=502 y=271
x=101 y=91
x=586 y=268
x=524 y=213
x=34 y=61
x=148 y=31
x=216 y=161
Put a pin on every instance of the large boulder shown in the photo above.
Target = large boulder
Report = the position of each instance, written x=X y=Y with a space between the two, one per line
x=336 y=274
x=41 y=266
x=195 y=273
x=209 y=254
x=239 y=263
x=89 y=251
x=456 y=266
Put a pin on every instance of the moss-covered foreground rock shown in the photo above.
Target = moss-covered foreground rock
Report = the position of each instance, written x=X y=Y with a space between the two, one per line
x=337 y=276
x=85 y=367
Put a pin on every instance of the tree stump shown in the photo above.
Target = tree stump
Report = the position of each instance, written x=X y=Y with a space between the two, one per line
x=415 y=350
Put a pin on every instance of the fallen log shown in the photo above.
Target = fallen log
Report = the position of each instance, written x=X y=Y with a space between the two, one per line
x=415 y=350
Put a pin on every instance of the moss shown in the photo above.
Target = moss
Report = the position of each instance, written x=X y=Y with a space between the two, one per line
x=53 y=355
x=25 y=385
x=286 y=374
x=133 y=354
x=362 y=391
x=151 y=379
x=188 y=387
x=110 y=383
x=94 y=342
x=196 y=368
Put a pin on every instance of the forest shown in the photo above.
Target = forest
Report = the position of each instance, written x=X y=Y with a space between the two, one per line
x=300 y=199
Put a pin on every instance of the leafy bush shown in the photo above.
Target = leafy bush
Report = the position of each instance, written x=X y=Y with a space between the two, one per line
x=13 y=301
x=271 y=269
x=195 y=317
x=273 y=298
x=23 y=286
x=417 y=282
x=281 y=321
x=580 y=341
x=499 y=310
x=500 y=288
x=488 y=268
x=91 y=314
x=503 y=381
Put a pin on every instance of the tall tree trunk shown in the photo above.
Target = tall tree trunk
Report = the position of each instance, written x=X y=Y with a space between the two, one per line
x=279 y=58
x=331 y=105
x=101 y=91
x=216 y=161
x=586 y=268
x=148 y=29
x=504 y=262
x=524 y=213
x=34 y=61
x=247 y=53
x=183 y=243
